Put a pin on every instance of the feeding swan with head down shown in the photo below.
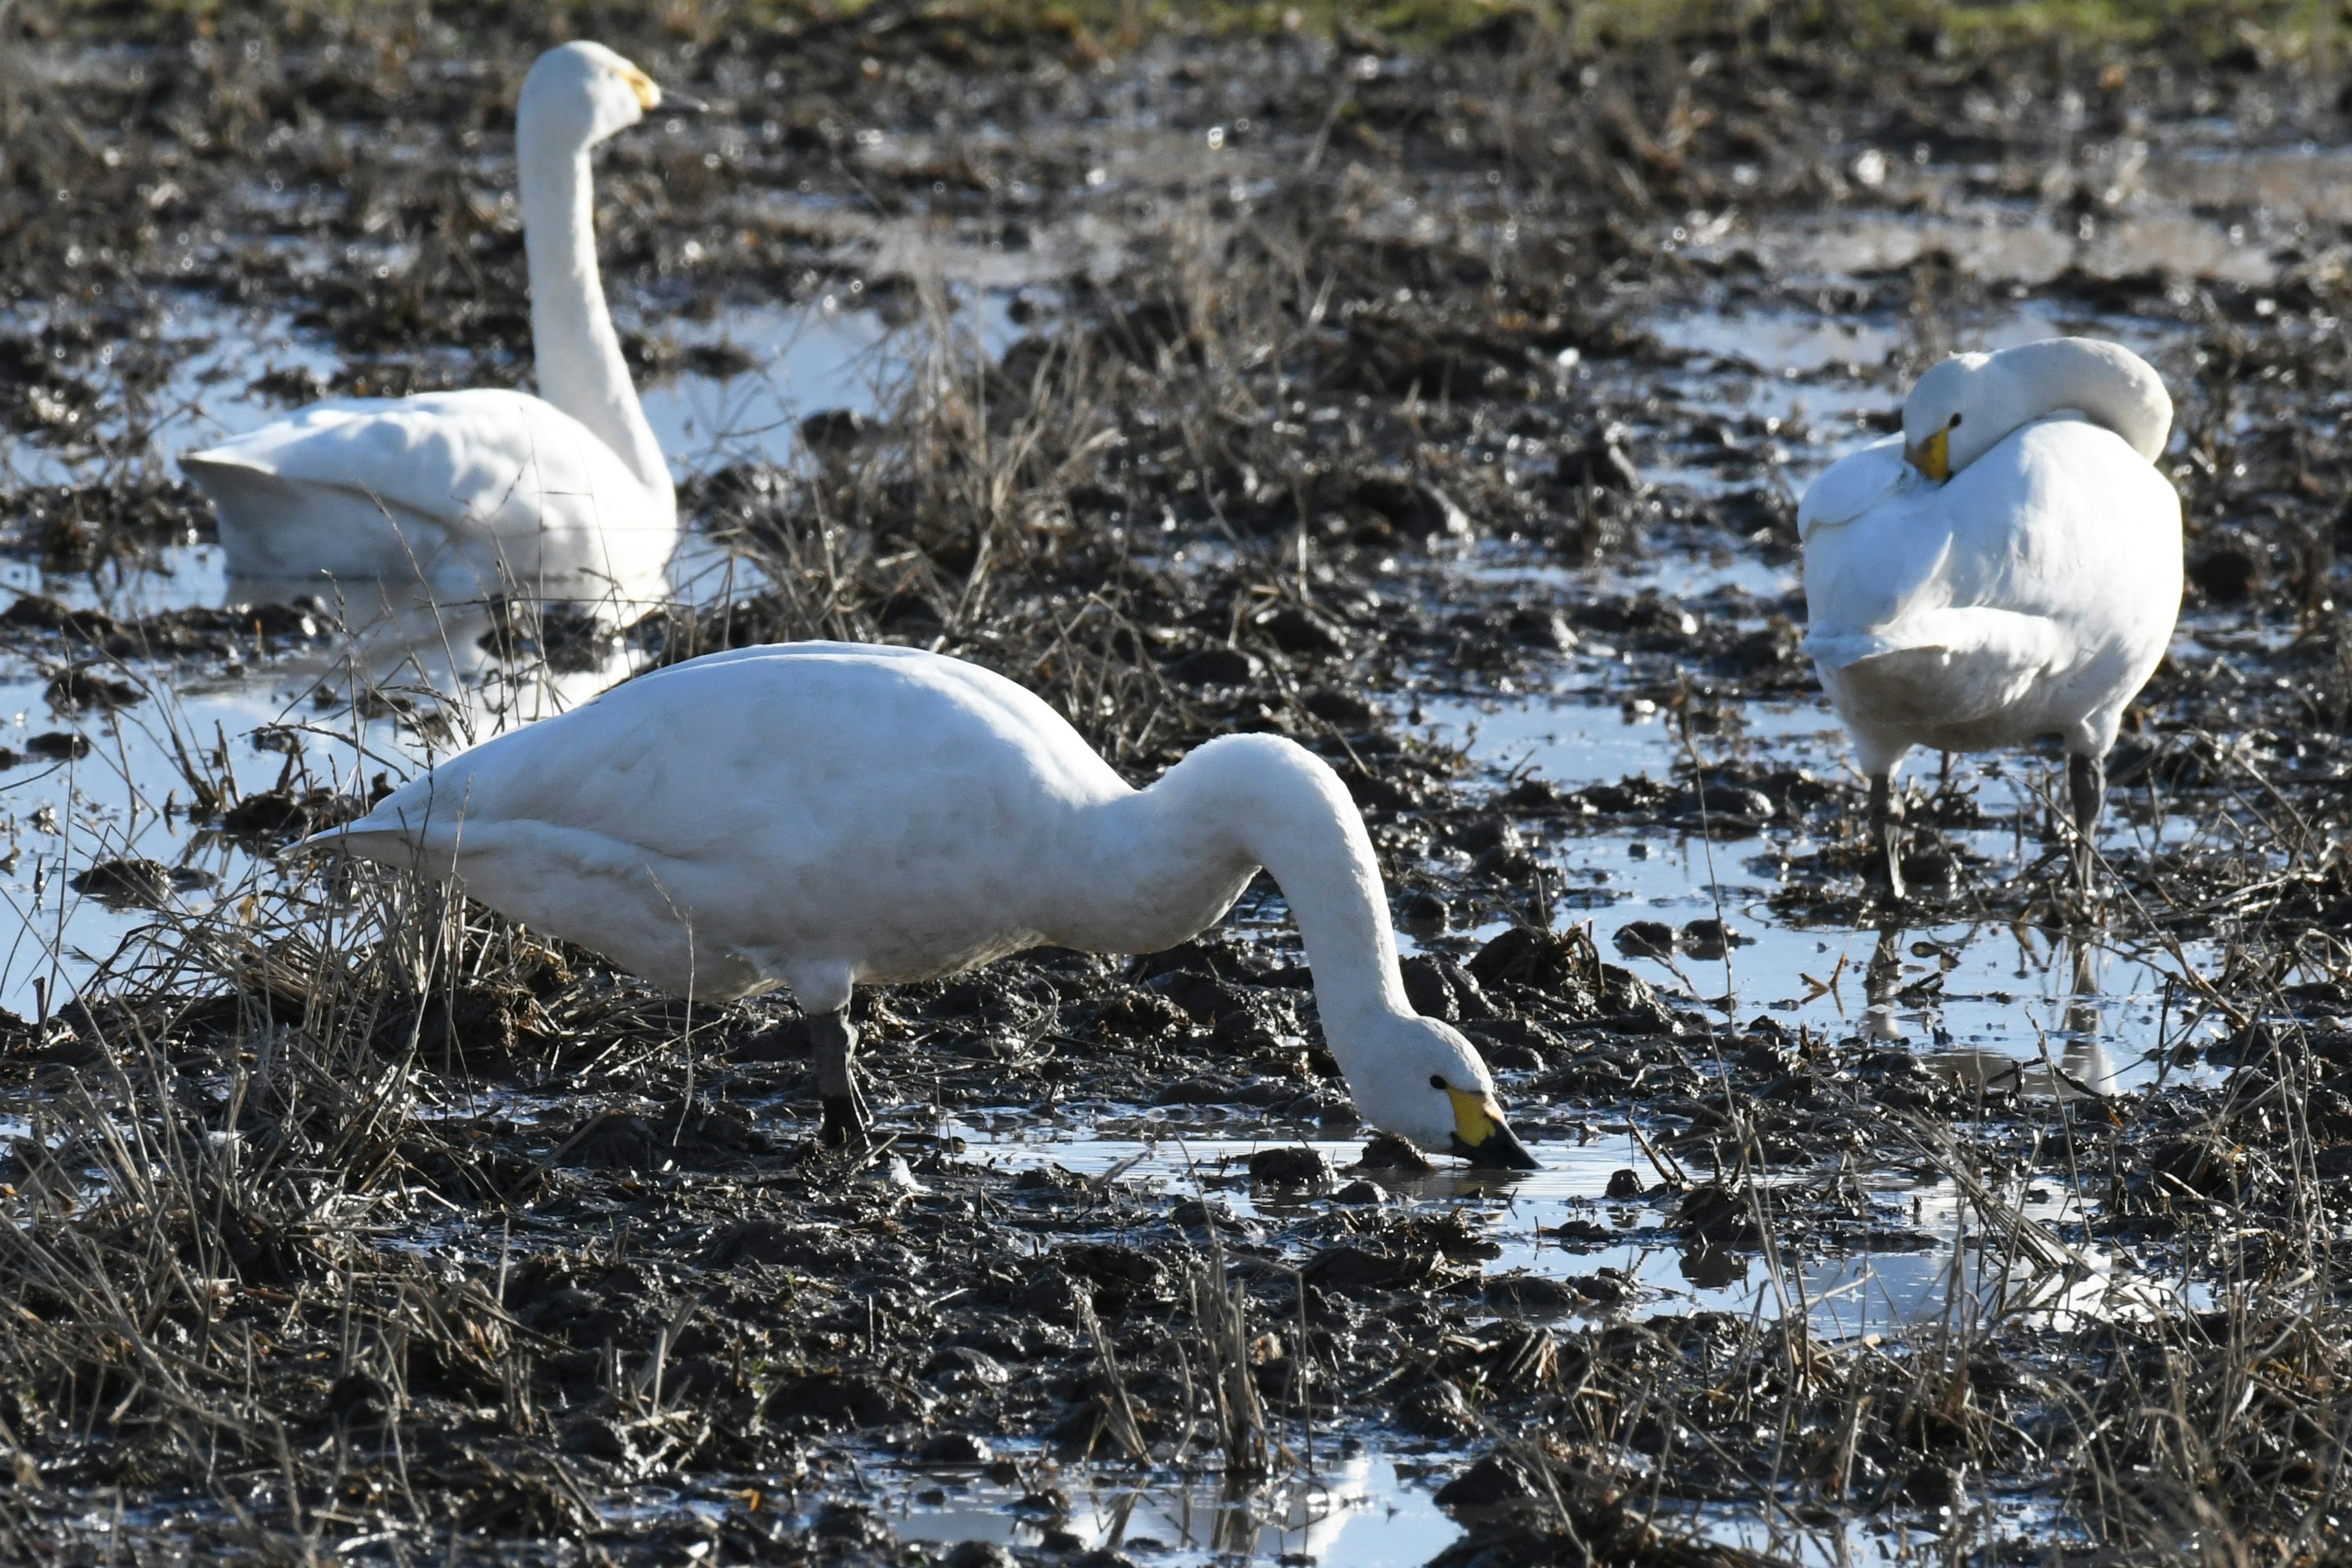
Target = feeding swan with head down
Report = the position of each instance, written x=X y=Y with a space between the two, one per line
x=823 y=816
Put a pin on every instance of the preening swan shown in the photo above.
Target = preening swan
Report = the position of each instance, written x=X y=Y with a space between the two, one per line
x=823 y=814
x=2008 y=567
x=475 y=490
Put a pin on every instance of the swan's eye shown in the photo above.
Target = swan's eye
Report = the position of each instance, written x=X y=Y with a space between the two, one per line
x=1437 y=1080
x=1955 y=424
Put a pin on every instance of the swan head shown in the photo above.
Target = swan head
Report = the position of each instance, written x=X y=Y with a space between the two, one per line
x=587 y=91
x=1419 y=1080
x=1951 y=420
x=1963 y=407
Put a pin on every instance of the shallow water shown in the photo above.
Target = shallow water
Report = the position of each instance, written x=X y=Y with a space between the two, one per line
x=2008 y=999
x=1795 y=384
x=1927 y=1236
x=2153 y=216
x=1356 y=1510
x=831 y=352
x=2102 y=1010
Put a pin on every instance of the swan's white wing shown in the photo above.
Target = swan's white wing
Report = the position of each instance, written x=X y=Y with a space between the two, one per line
x=1973 y=631
x=791 y=749
x=501 y=482
x=477 y=458
x=800 y=801
x=1851 y=485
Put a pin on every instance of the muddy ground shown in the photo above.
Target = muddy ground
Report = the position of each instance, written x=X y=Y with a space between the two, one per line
x=347 y=1223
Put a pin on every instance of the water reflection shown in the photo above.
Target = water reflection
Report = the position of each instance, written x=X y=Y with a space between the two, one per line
x=557 y=636
x=2080 y=1070
x=1915 y=1242
x=1964 y=986
x=1358 y=1512
x=376 y=681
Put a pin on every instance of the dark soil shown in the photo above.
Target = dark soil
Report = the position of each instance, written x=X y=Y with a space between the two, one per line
x=373 y=1228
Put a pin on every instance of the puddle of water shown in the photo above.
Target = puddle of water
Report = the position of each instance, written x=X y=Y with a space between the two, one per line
x=1773 y=1537
x=2003 y=243
x=1680 y=578
x=1358 y=1510
x=1783 y=344
x=253 y=718
x=2105 y=1014
x=1618 y=1253
x=1818 y=376
x=825 y=354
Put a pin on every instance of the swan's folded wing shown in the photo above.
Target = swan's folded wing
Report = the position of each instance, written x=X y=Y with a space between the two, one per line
x=1981 y=658
x=1851 y=485
x=478 y=457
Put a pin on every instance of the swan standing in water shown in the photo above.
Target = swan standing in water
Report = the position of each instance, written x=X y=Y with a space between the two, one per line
x=475 y=490
x=824 y=814
x=2009 y=566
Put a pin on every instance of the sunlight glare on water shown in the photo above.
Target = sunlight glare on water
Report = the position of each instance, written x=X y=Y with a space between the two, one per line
x=1356 y=1510
x=1638 y=1266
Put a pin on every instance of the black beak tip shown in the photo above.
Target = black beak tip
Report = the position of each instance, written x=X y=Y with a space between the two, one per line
x=679 y=103
x=1502 y=1151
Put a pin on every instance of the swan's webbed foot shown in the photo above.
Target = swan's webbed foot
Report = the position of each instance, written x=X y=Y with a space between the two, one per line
x=1885 y=818
x=2086 y=794
x=833 y=1039
x=847 y=1123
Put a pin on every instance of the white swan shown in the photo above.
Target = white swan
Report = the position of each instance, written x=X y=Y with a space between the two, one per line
x=823 y=815
x=476 y=490
x=2008 y=567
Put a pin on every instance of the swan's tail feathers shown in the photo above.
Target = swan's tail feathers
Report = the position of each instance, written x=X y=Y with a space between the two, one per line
x=393 y=845
x=1999 y=637
x=266 y=518
x=221 y=474
x=1946 y=667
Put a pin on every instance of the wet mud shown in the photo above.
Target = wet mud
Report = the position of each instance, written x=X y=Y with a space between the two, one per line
x=1439 y=401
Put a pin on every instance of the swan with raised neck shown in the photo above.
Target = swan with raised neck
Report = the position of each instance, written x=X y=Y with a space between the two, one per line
x=819 y=815
x=487 y=490
x=574 y=97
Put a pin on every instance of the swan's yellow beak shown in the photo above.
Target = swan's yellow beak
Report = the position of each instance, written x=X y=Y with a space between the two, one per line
x=1932 y=456
x=649 y=96
x=1481 y=1137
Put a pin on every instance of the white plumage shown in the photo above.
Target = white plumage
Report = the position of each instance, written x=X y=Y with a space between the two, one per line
x=2010 y=567
x=480 y=492
x=823 y=814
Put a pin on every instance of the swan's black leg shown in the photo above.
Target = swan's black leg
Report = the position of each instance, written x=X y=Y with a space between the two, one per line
x=1883 y=819
x=833 y=1042
x=2086 y=791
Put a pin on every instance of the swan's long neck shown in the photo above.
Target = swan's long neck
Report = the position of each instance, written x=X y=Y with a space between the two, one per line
x=2106 y=381
x=1180 y=851
x=581 y=370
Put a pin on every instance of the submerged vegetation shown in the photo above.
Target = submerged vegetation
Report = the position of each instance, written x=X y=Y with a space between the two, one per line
x=1338 y=378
